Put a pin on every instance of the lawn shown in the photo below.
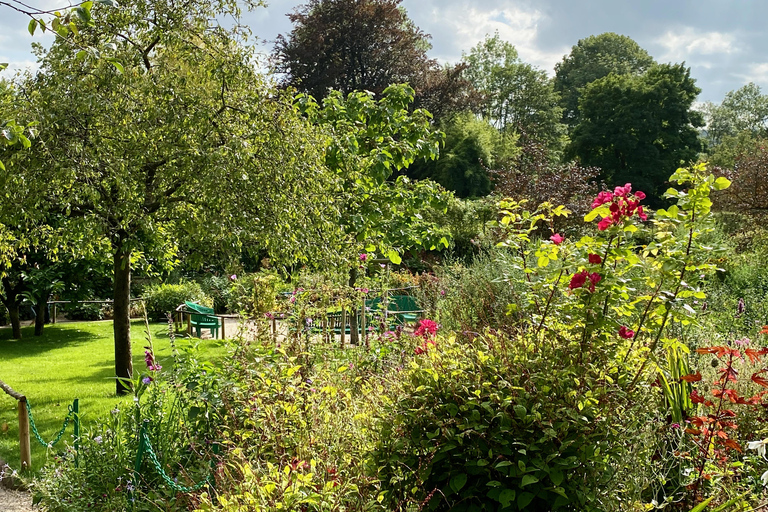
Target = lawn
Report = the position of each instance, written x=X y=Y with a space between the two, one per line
x=71 y=360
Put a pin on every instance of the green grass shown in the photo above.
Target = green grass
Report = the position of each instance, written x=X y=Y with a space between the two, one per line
x=71 y=360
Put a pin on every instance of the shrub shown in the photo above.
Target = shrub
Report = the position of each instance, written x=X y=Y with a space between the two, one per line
x=163 y=298
x=84 y=312
x=253 y=294
x=497 y=424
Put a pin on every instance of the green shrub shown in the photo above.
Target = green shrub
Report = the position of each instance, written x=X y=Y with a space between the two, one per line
x=253 y=294
x=496 y=424
x=84 y=312
x=163 y=298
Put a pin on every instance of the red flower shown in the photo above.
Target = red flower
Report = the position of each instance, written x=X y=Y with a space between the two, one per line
x=557 y=238
x=595 y=259
x=640 y=195
x=426 y=328
x=641 y=214
x=578 y=280
x=605 y=223
x=626 y=333
x=594 y=278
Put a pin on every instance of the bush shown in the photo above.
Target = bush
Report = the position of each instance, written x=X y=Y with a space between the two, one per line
x=496 y=424
x=253 y=294
x=163 y=298
x=83 y=312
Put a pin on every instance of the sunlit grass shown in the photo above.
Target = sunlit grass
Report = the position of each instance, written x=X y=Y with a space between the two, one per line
x=70 y=360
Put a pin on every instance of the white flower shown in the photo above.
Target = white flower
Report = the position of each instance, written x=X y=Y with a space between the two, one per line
x=760 y=447
x=764 y=478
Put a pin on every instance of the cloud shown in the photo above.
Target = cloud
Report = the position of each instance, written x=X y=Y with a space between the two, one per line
x=462 y=26
x=758 y=73
x=689 y=42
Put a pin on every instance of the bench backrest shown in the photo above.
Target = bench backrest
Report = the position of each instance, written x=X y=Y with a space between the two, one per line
x=199 y=308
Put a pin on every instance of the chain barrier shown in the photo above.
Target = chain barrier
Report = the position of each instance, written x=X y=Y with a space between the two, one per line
x=33 y=427
x=146 y=446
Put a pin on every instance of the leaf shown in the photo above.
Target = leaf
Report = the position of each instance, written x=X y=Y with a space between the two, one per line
x=118 y=66
x=3 y=65
x=524 y=500
x=722 y=183
x=458 y=481
x=758 y=379
x=506 y=497
x=394 y=257
x=692 y=377
x=32 y=26
x=556 y=476
x=701 y=506
x=528 y=479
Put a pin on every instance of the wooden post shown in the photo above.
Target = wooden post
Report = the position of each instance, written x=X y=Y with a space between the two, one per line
x=25 y=448
x=53 y=317
x=223 y=321
x=189 y=324
x=343 y=326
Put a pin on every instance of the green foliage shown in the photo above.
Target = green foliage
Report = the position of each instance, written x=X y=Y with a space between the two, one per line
x=518 y=97
x=744 y=110
x=593 y=58
x=368 y=141
x=253 y=294
x=471 y=146
x=81 y=311
x=165 y=298
x=639 y=128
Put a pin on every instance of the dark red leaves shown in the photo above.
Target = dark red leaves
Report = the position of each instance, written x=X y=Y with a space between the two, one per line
x=693 y=377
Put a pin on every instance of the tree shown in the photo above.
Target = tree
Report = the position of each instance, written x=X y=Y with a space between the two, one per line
x=742 y=110
x=639 y=129
x=176 y=138
x=471 y=147
x=364 y=45
x=748 y=192
x=592 y=58
x=517 y=97
x=370 y=140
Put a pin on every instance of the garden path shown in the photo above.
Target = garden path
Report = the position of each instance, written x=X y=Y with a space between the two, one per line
x=15 y=501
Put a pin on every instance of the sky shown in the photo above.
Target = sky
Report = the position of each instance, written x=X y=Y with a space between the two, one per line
x=723 y=41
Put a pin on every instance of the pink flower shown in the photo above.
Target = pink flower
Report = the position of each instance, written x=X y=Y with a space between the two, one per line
x=640 y=195
x=557 y=238
x=578 y=280
x=641 y=214
x=605 y=223
x=595 y=259
x=623 y=191
x=363 y=257
x=626 y=333
x=602 y=198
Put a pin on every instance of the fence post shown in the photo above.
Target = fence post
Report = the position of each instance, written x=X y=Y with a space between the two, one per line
x=25 y=447
x=76 y=413
x=53 y=316
x=343 y=326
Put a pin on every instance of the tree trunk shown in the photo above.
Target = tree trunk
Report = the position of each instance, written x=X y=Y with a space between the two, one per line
x=13 y=316
x=41 y=312
x=122 y=320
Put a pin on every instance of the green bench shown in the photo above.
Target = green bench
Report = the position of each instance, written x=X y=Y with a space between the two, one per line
x=404 y=309
x=203 y=317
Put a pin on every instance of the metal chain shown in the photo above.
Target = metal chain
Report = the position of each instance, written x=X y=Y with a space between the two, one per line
x=159 y=468
x=37 y=434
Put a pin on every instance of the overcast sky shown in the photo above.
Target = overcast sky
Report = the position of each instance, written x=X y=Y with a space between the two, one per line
x=723 y=41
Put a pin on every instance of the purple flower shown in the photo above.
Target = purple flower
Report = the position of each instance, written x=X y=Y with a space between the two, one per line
x=363 y=257
x=98 y=439
x=233 y=277
x=146 y=380
x=743 y=342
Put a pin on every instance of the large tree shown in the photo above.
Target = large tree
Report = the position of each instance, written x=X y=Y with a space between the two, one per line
x=364 y=45
x=516 y=97
x=177 y=137
x=639 y=129
x=742 y=110
x=592 y=58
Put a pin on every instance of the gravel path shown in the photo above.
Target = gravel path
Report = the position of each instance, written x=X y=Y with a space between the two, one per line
x=15 y=501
